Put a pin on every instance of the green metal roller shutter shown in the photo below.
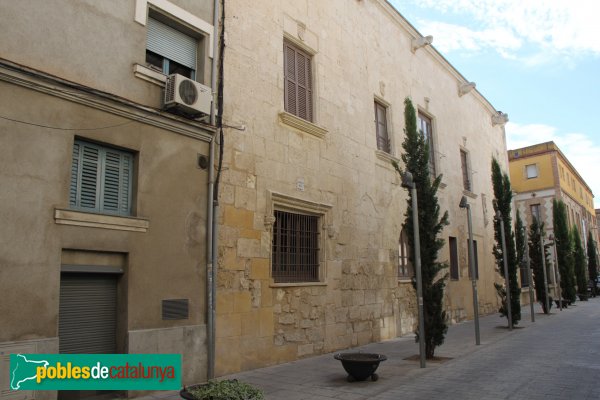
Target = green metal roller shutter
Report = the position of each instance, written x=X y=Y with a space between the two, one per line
x=88 y=313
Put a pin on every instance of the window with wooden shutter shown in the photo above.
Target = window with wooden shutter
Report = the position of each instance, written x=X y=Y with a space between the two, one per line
x=101 y=179
x=454 y=270
x=298 y=82
x=381 y=131
x=466 y=173
x=424 y=125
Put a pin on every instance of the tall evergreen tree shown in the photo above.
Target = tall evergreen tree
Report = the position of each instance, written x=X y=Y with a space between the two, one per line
x=503 y=199
x=580 y=263
x=564 y=250
x=520 y=244
x=592 y=261
x=416 y=160
x=537 y=234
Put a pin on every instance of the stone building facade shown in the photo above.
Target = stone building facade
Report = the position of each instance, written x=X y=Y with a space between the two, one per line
x=103 y=206
x=311 y=255
x=541 y=173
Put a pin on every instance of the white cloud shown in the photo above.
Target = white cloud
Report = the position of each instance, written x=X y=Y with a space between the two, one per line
x=579 y=149
x=532 y=30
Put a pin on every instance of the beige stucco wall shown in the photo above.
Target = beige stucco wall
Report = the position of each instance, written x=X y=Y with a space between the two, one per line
x=361 y=52
x=161 y=247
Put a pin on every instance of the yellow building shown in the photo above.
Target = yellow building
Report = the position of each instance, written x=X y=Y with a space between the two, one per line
x=540 y=173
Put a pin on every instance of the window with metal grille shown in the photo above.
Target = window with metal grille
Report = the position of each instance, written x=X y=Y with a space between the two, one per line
x=297 y=66
x=101 y=179
x=169 y=50
x=381 y=130
x=295 y=247
x=405 y=268
x=454 y=272
x=524 y=276
x=475 y=261
x=424 y=125
x=466 y=173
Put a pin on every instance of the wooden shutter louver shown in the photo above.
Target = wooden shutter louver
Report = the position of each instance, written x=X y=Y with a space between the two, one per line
x=100 y=179
x=383 y=142
x=298 y=82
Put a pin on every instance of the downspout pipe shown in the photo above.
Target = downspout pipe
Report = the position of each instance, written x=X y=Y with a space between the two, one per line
x=210 y=239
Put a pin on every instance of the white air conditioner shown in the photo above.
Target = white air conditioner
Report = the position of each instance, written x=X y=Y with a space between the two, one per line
x=187 y=95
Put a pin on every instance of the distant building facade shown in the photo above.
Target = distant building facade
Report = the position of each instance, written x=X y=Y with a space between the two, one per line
x=104 y=193
x=312 y=257
x=541 y=173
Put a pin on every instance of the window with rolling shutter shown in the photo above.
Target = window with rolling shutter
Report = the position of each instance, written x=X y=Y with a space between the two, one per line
x=298 y=82
x=100 y=179
x=169 y=50
x=381 y=130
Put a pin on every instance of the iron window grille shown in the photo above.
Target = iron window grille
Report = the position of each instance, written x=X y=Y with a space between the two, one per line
x=295 y=248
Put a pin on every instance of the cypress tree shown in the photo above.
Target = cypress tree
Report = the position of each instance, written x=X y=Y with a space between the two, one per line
x=564 y=250
x=502 y=201
x=581 y=273
x=520 y=242
x=536 y=234
x=416 y=160
x=592 y=262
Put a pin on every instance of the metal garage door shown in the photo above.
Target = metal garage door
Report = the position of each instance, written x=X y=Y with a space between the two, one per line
x=88 y=313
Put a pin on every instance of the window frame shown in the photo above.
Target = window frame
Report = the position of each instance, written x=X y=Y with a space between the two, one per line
x=104 y=184
x=281 y=202
x=161 y=22
x=301 y=234
x=537 y=172
x=294 y=80
x=454 y=266
x=426 y=121
x=405 y=266
x=536 y=212
x=476 y=261
x=465 y=164
x=383 y=140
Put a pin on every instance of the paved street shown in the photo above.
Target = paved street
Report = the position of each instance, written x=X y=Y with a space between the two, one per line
x=557 y=357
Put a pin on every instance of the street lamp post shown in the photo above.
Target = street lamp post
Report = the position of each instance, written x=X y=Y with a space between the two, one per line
x=506 y=280
x=465 y=204
x=557 y=287
x=408 y=183
x=530 y=277
x=544 y=267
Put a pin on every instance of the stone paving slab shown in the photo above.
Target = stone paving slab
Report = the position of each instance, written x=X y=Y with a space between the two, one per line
x=557 y=357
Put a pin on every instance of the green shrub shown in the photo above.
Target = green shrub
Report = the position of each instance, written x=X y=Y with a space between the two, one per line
x=226 y=390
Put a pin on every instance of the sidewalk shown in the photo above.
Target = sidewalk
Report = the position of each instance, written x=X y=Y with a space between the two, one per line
x=322 y=377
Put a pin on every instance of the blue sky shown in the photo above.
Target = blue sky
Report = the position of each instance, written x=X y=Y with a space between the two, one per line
x=536 y=60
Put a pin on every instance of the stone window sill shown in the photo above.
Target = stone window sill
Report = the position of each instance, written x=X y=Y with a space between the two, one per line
x=470 y=194
x=404 y=281
x=302 y=124
x=387 y=157
x=150 y=75
x=296 y=284
x=78 y=218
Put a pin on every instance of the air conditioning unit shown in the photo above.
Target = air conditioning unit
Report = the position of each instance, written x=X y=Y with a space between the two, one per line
x=187 y=95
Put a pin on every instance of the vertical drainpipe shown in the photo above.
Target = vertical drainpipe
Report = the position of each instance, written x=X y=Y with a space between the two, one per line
x=211 y=240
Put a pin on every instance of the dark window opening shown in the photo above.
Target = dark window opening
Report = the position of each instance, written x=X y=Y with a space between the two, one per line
x=295 y=248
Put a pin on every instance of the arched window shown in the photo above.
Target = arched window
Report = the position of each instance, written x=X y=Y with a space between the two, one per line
x=405 y=268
